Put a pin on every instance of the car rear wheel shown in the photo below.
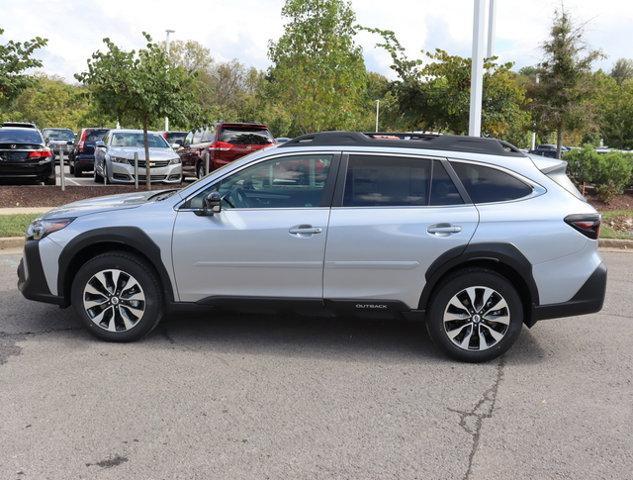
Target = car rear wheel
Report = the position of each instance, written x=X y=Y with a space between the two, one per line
x=117 y=297
x=77 y=172
x=475 y=315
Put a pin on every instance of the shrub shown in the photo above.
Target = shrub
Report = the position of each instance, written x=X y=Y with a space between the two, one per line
x=609 y=173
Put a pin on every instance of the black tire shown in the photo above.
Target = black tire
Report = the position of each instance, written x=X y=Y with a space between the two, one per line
x=71 y=168
x=77 y=172
x=49 y=181
x=96 y=177
x=142 y=273
x=451 y=286
x=105 y=179
x=199 y=170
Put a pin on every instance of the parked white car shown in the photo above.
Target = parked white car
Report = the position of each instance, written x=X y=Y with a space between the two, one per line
x=114 y=158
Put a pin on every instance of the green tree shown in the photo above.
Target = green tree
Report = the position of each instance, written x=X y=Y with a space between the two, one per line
x=16 y=58
x=622 y=70
x=140 y=87
x=564 y=79
x=51 y=102
x=318 y=73
x=616 y=115
x=434 y=92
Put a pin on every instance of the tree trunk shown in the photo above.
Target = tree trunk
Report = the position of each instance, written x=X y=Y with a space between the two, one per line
x=559 y=140
x=148 y=171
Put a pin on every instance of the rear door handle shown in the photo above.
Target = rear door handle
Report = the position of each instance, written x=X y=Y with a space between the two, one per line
x=443 y=229
x=304 y=230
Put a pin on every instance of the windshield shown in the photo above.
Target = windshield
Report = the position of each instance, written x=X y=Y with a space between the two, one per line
x=62 y=135
x=176 y=137
x=19 y=136
x=134 y=139
x=243 y=136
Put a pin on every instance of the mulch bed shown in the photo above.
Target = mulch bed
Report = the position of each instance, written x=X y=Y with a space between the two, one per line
x=621 y=202
x=49 y=196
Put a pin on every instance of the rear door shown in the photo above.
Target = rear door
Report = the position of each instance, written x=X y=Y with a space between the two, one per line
x=393 y=216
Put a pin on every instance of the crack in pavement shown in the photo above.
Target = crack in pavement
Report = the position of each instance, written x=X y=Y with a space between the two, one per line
x=472 y=421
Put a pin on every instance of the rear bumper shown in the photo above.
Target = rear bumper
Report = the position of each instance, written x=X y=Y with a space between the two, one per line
x=31 y=280
x=84 y=162
x=26 y=170
x=589 y=299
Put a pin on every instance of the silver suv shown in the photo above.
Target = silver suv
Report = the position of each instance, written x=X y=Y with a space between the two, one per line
x=468 y=234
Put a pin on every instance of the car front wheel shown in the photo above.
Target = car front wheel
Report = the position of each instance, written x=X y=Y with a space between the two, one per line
x=117 y=297
x=475 y=315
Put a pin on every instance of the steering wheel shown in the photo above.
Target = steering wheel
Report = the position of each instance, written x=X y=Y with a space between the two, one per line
x=235 y=198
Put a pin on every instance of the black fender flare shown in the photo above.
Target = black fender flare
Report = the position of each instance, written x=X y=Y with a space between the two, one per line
x=132 y=237
x=505 y=254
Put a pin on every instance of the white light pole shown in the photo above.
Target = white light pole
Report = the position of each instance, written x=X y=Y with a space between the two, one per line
x=377 y=113
x=534 y=132
x=491 y=28
x=477 y=69
x=167 y=54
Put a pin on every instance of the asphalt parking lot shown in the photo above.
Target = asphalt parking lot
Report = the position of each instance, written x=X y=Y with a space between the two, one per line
x=283 y=397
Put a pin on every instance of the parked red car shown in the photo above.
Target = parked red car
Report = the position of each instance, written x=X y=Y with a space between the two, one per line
x=222 y=144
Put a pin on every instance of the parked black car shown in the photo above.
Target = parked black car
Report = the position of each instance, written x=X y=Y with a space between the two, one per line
x=24 y=156
x=548 y=150
x=82 y=156
x=59 y=137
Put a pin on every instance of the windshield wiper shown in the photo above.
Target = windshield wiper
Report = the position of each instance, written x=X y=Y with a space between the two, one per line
x=163 y=195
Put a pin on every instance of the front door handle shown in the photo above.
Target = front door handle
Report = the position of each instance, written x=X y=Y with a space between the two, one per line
x=443 y=229
x=304 y=230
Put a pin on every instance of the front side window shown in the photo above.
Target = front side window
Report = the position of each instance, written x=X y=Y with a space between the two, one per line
x=488 y=185
x=188 y=139
x=283 y=182
x=197 y=136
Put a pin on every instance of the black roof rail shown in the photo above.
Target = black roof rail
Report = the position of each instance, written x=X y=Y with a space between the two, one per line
x=423 y=141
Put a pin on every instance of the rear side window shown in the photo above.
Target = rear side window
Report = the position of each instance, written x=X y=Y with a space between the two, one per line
x=375 y=181
x=443 y=190
x=207 y=136
x=197 y=136
x=487 y=185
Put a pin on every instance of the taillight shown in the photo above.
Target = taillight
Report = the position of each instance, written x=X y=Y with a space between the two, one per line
x=82 y=141
x=587 y=224
x=220 y=146
x=41 y=154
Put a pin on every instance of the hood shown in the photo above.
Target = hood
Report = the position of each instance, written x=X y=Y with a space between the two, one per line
x=154 y=153
x=102 y=204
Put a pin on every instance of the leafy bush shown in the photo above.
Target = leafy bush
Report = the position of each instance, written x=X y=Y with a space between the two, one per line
x=610 y=173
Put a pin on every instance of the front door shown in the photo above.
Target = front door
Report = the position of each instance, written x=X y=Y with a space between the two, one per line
x=269 y=238
x=395 y=216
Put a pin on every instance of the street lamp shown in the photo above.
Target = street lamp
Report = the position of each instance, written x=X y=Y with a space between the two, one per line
x=168 y=31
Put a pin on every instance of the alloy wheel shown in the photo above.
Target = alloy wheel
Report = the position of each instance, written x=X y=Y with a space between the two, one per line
x=114 y=300
x=476 y=318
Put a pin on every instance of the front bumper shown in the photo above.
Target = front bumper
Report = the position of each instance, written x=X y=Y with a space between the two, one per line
x=124 y=173
x=31 y=279
x=589 y=299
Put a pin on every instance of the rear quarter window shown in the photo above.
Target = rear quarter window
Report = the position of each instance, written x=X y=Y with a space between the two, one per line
x=489 y=185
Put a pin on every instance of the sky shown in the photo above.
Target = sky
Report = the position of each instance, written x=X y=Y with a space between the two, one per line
x=241 y=29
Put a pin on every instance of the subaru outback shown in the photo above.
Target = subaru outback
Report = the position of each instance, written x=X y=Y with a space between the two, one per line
x=468 y=234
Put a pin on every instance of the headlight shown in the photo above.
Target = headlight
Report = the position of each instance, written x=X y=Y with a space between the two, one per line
x=119 y=160
x=40 y=228
x=174 y=161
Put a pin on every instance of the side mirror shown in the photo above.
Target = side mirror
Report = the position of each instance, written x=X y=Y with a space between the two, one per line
x=212 y=203
x=70 y=143
x=175 y=146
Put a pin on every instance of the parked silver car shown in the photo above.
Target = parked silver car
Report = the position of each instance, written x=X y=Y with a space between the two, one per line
x=57 y=138
x=468 y=234
x=114 y=158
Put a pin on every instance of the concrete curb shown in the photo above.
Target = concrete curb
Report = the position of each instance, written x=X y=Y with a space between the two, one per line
x=616 y=243
x=7 y=243
x=23 y=210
